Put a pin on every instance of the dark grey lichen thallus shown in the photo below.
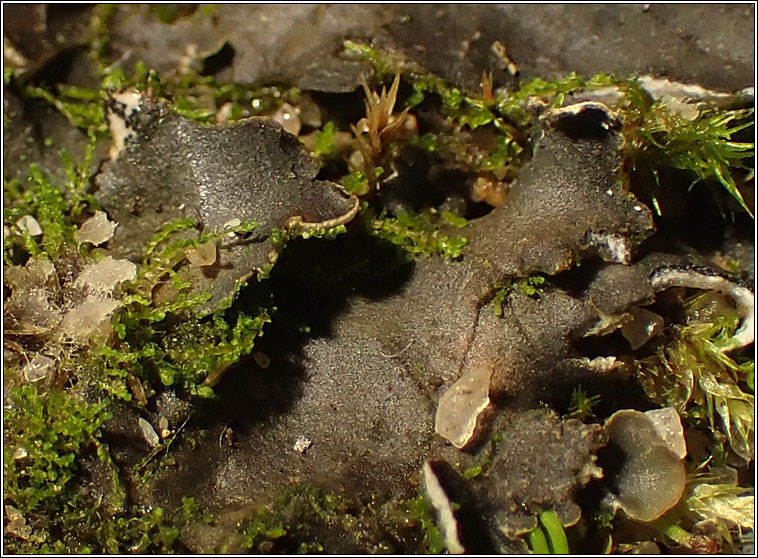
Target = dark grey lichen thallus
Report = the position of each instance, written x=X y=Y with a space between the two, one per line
x=164 y=166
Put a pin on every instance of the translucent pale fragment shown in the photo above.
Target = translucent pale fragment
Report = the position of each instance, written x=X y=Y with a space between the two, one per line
x=81 y=322
x=289 y=117
x=149 y=433
x=443 y=506
x=668 y=425
x=29 y=224
x=96 y=230
x=38 y=368
x=461 y=405
x=202 y=255
x=106 y=274
x=644 y=325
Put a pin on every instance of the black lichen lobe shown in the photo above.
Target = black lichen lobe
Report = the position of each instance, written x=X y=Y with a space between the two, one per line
x=168 y=167
x=567 y=202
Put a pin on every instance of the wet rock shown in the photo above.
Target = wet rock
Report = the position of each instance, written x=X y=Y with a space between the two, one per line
x=302 y=44
x=34 y=34
x=167 y=167
x=298 y=45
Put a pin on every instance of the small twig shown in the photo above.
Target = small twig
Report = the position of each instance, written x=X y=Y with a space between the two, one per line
x=400 y=352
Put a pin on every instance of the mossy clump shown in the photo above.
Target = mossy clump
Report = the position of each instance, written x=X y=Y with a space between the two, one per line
x=532 y=286
x=307 y=520
x=582 y=404
x=159 y=337
x=696 y=373
x=698 y=140
x=44 y=435
x=58 y=208
x=420 y=233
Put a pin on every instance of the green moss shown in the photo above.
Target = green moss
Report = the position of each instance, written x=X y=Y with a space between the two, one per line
x=325 y=141
x=261 y=528
x=286 y=525
x=280 y=237
x=472 y=472
x=422 y=511
x=100 y=35
x=56 y=207
x=513 y=106
x=166 y=13
x=581 y=404
x=82 y=107
x=419 y=233
x=51 y=430
x=716 y=500
x=47 y=435
x=306 y=519
x=385 y=63
x=428 y=141
x=327 y=233
x=85 y=527
x=532 y=286
x=656 y=137
x=163 y=341
x=696 y=373
x=357 y=182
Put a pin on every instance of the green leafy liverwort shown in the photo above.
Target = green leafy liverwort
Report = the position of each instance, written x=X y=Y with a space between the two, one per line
x=419 y=233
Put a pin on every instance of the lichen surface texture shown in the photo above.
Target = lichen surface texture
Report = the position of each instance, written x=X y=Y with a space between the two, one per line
x=401 y=279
